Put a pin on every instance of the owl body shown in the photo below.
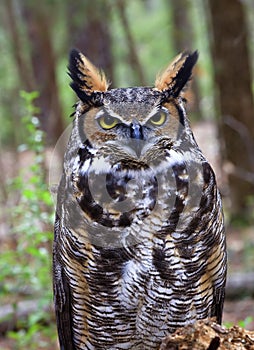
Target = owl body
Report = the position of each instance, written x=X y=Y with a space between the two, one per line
x=139 y=245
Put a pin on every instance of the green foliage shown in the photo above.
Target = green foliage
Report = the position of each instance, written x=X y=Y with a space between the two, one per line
x=250 y=206
x=26 y=270
x=246 y=217
x=242 y=323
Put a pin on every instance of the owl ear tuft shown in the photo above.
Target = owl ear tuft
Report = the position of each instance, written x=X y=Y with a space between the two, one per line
x=173 y=79
x=86 y=78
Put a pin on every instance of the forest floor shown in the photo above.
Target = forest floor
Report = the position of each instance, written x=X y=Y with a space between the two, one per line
x=240 y=243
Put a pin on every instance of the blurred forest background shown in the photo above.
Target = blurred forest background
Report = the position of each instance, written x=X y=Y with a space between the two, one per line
x=131 y=40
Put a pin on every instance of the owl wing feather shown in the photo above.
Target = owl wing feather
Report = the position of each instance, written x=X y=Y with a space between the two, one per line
x=218 y=302
x=62 y=298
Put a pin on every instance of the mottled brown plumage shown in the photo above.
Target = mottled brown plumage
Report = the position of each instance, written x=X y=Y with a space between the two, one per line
x=139 y=247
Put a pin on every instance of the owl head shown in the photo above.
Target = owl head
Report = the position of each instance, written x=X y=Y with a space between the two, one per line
x=128 y=148
x=136 y=117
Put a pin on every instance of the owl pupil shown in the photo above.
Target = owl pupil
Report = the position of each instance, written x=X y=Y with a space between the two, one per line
x=108 y=120
x=157 y=117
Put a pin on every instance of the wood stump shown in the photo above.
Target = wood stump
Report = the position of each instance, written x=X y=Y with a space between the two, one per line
x=208 y=335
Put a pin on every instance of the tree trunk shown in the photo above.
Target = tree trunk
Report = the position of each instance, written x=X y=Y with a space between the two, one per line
x=133 y=54
x=91 y=34
x=183 y=39
x=233 y=78
x=18 y=54
x=44 y=68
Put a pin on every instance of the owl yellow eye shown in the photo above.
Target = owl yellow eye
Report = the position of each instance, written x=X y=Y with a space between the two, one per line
x=158 y=119
x=107 y=122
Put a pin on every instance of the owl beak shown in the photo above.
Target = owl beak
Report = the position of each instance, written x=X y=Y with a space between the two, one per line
x=136 y=133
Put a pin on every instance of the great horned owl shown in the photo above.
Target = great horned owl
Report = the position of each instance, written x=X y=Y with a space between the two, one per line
x=139 y=246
